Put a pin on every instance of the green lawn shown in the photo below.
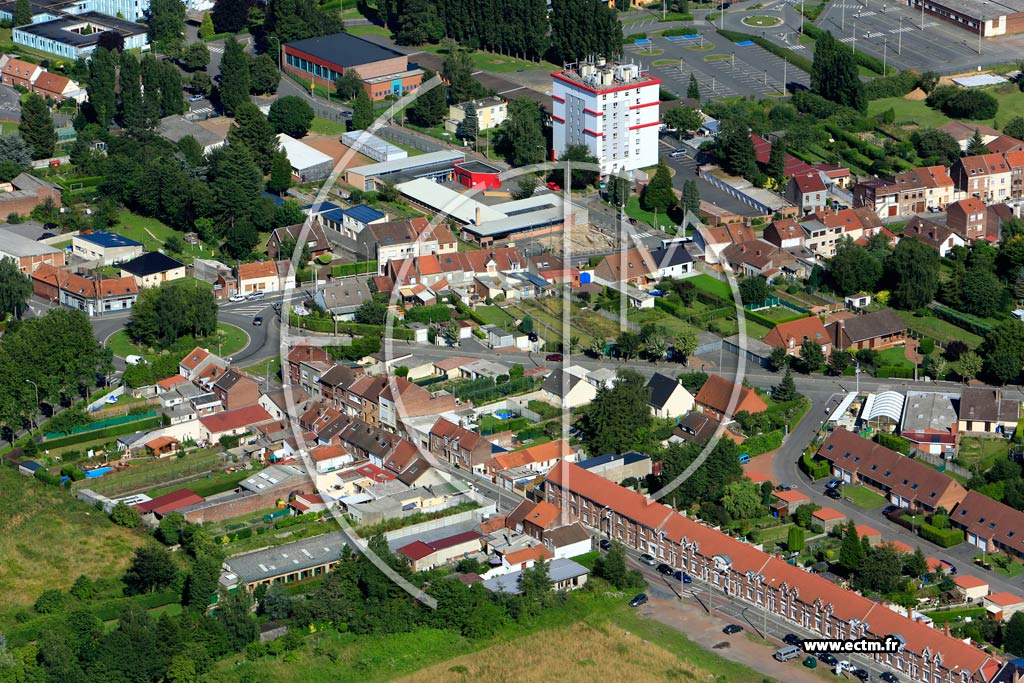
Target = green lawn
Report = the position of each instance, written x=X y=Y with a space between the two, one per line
x=863 y=497
x=938 y=329
x=713 y=285
x=234 y=339
x=493 y=315
x=152 y=233
x=326 y=126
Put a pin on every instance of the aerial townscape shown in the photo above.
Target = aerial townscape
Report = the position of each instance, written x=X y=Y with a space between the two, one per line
x=534 y=340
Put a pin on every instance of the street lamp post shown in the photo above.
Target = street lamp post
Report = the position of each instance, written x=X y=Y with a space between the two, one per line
x=34 y=412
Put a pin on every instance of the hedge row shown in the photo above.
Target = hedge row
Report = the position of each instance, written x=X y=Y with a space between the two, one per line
x=947 y=538
x=964 y=320
x=762 y=443
x=111 y=432
x=792 y=57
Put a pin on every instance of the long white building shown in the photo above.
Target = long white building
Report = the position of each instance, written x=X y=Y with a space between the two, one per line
x=610 y=108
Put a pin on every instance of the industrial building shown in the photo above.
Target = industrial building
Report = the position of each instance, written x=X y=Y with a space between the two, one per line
x=322 y=61
x=308 y=164
x=609 y=108
x=433 y=165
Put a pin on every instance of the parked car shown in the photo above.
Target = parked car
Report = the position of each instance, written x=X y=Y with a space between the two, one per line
x=828 y=658
x=665 y=569
x=257 y=321
x=792 y=639
x=680 y=575
x=731 y=629
x=604 y=544
x=638 y=600
x=648 y=560
x=860 y=674
x=834 y=494
x=553 y=357
x=236 y=297
x=888 y=677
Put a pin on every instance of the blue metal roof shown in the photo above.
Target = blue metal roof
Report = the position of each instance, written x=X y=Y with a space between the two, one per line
x=109 y=239
x=364 y=213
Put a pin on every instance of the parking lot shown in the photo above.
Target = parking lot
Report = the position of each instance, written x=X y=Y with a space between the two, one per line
x=722 y=68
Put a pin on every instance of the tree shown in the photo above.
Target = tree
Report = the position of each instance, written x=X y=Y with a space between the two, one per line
x=1014 y=127
x=125 y=515
x=206 y=30
x=470 y=126
x=37 y=127
x=691 y=197
x=521 y=137
x=851 y=552
x=812 y=358
x=834 y=74
x=349 y=84
x=913 y=274
x=229 y=16
x=683 y=119
x=742 y=500
x=935 y=146
x=786 y=389
x=291 y=115
x=151 y=569
x=754 y=290
x=234 y=71
x=430 y=107
x=22 y=13
x=263 y=75
x=976 y=145
x=658 y=194
x=854 y=269
x=196 y=56
x=617 y=413
x=693 y=89
x=1013 y=639
x=362 y=111
x=795 y=539
x=166 y=19
x=734 y=149
x=15 y=288
x=280 y=173
x=252 y=130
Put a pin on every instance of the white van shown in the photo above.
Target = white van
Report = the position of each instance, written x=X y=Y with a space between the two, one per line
x=787 y=653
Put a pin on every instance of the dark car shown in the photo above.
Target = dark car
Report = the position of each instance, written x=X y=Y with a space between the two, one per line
x=257 y=321
x=792 y=639
x=638 y=600
x=665 y=569
x=680 y=575
x=888 y=677
x=553 y=357
x=834 y=494
x=604 y=544
x=731 y=629
x=860 y=674
x=828 y=658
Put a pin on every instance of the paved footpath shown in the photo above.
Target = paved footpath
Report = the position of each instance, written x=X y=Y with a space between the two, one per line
x=706 y=630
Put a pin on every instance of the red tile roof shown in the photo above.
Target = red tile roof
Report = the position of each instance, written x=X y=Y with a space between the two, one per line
x=219 y=423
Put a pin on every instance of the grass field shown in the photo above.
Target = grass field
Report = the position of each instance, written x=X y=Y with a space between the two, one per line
x=713 y=285
x=493 y=315
x=863 y=497
x=1010 y=98
x=589 y=639
x=234 y=340
x=938 y=329
x=152 y=233
x=48 y=538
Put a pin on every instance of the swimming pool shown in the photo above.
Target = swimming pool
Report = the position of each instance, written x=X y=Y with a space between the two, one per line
x=98 y=472
x=504 y=414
